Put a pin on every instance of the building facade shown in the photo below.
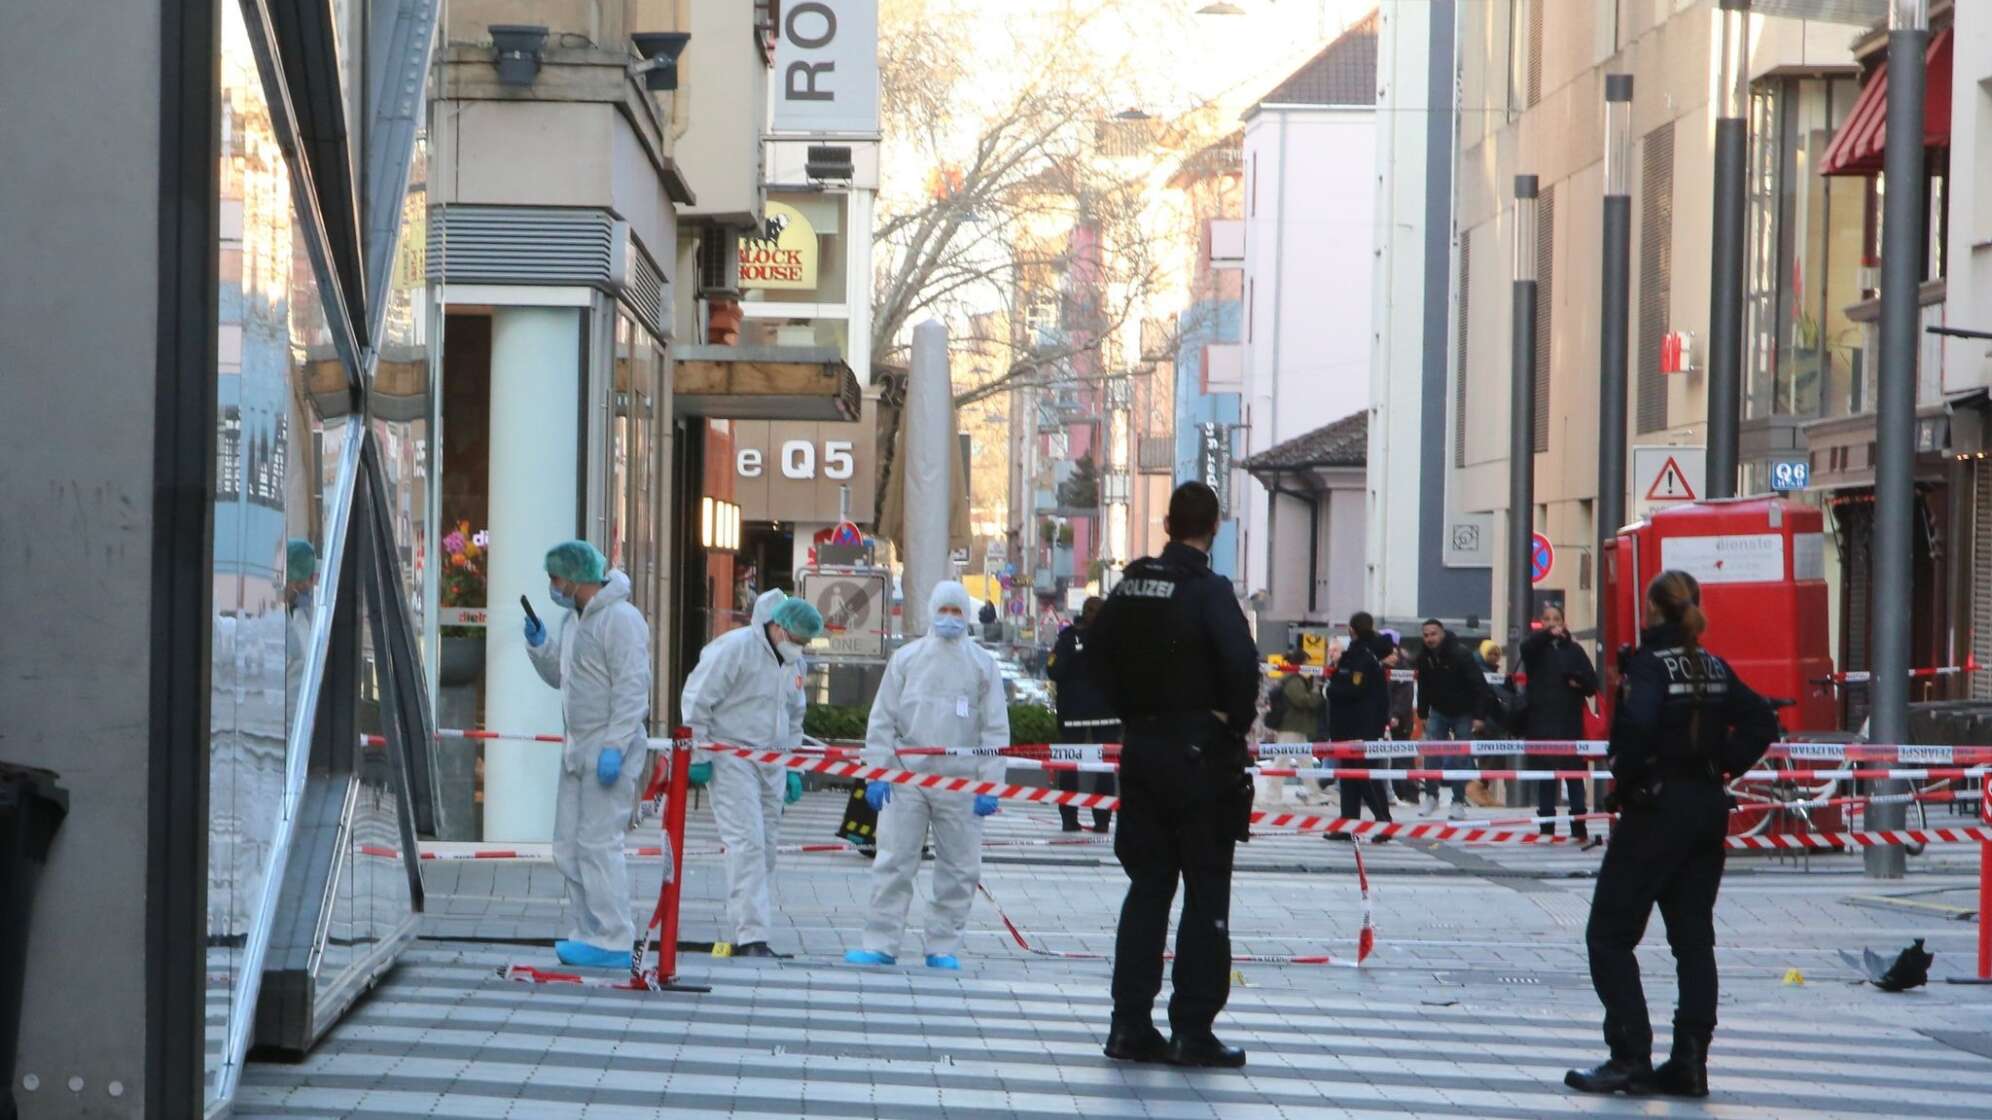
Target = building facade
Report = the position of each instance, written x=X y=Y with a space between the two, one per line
x=1540 y=68
x=1423 y=557
x=609 y=348
x=1304 y=361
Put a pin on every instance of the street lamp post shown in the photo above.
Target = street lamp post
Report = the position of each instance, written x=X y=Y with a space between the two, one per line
x=1521 y=419
x=1725 y=289
x=1612 y=332
x=1895 y=404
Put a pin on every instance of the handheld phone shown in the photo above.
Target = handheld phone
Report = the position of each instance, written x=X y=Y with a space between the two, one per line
x=527 y=603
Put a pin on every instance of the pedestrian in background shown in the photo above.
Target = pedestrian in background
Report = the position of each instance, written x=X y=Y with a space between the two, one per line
x=1359 y=709
x=1176 y=660
x=1683 y=725
x=1452 y=694
x=1558 y=681
x=600 y=662
x=1083 y=714
x=1403 y=708
x=1297 y=713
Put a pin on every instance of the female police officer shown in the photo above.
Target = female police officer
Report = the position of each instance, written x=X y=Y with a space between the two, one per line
x=1684 y=721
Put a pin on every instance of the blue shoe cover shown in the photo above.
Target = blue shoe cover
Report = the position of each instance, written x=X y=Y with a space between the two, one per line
x=943 y=960
x=580 y=954
x=867 y=956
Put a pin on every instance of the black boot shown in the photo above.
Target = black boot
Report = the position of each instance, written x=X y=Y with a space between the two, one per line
x=1685 y=1073
x=1139 y=1042
x=1204 y=1050
x=1619 y=1075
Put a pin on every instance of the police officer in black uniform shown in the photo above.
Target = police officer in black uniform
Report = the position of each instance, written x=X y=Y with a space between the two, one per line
x=1177 y=663
x=1083 y=714
x=1684 y=722
x=1359 y=709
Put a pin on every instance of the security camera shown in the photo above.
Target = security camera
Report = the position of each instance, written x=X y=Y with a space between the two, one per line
x=660 y=51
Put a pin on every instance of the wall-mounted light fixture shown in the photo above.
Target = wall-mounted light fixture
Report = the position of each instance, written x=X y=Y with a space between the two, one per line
x=719 y=525
x=519 y=48
x=660 y=51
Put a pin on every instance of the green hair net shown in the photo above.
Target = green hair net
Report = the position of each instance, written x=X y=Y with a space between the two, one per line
x=798 y=618
x=577 y=562
x=300 y=560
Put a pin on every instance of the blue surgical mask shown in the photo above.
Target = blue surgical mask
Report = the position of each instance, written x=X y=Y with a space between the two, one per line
x=560 y=598
x=950 y=626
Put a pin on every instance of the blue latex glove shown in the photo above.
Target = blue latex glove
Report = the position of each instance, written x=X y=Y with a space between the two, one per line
x=608 y=766
x=535 y=632
x=985 y=804
x=794 y=793
x=877 y=794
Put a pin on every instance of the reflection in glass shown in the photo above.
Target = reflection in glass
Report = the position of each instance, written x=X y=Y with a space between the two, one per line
x=400 y=400
x=370 y=900
x=272 y=344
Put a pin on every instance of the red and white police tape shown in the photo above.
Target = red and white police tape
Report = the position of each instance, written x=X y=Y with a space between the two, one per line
x=1365 y=934
x=1917 y=753
x=1476 y=834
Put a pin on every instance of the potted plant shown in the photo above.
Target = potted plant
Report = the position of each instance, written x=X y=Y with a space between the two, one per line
x=463 y=587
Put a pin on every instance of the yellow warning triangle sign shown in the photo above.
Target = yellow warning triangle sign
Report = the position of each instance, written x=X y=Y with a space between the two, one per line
x=1671 y=485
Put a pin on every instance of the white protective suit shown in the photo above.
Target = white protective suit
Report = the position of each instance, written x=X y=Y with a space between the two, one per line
x=600 y=662
x=936 y=693
x=742 y=693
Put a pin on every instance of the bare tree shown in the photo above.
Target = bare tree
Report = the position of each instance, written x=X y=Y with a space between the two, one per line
x=1034 y=194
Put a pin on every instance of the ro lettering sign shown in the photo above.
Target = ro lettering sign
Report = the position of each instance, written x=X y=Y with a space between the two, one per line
x=826 y=69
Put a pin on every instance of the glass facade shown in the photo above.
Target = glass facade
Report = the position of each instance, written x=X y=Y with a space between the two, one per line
x=1805 y=254
x=321 y=525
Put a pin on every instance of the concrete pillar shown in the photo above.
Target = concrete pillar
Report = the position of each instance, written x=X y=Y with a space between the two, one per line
x=534 y=479
x=929 y=461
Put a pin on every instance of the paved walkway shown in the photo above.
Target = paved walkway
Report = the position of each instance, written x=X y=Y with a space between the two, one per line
x=1475 y=1002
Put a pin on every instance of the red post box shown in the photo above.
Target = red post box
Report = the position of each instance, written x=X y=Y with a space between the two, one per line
x=1762 y=567
x=1761 y=563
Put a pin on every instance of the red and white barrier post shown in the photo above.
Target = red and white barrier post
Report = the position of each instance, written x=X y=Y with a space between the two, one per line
x=1985 y=886
x=674 y=824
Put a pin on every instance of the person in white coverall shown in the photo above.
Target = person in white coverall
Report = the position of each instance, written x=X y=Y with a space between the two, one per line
x=939 y=691
x=746 y=691
x=600 y=662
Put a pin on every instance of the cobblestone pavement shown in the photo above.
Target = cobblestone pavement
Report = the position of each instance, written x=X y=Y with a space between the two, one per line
x=1474 y=1003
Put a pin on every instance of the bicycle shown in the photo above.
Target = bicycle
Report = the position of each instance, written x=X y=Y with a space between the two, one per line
x=1779 y=798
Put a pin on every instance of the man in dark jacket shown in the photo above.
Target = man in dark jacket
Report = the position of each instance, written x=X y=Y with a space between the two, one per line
x=1451 y=696
x=1083 y=713
x=1557 y=681
x=1359 y=709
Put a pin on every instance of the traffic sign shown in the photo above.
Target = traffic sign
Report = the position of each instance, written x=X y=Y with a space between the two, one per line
x=1790 y=474
x=1665 y=476
x=1671 y=484
x=1542 y=558
x=853 y=605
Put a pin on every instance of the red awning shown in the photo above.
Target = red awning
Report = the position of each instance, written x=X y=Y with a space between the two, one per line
x=1857 y=148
